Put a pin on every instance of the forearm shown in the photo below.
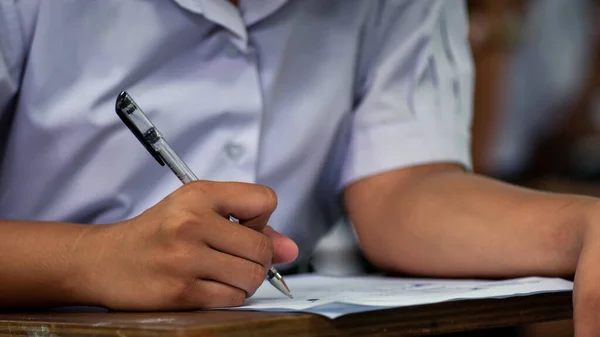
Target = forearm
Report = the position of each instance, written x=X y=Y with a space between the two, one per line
x=455 y=224
x=41 y=263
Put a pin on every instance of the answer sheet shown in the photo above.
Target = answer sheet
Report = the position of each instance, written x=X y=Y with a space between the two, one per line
x=336 y=296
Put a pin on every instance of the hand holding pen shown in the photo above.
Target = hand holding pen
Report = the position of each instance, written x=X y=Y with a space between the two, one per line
x=182 y=253
x=235 y=252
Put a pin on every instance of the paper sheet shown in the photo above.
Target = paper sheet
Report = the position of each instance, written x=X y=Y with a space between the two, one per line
x=336 y=296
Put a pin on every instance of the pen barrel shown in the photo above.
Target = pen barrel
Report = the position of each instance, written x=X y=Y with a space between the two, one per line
x=178 y=166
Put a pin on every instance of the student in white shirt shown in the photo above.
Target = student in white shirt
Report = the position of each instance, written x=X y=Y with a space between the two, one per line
x=316 y=109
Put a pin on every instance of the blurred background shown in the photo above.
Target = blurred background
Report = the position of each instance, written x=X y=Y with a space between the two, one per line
x=537 y=95
x=536 y=111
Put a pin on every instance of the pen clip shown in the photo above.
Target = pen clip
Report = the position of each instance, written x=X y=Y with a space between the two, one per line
x=123 y=102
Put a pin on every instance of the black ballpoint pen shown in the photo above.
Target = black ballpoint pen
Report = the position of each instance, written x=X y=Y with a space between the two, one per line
x=139 y=124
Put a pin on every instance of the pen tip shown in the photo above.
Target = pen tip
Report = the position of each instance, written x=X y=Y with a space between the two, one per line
x=285 y=285
x=288 y=292
x=280 y=284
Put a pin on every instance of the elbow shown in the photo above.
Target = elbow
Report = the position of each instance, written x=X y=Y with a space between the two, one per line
x=380 y=262
x=390 y=262
x=380 y=253
x=394 y=254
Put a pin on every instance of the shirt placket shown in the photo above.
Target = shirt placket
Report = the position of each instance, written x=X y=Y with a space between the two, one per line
x=240 y=149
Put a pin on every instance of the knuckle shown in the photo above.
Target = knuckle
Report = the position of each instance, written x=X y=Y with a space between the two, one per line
x=182 y=223
x=193 y=190
x=183 y=290
x=181 y=232
x=236 y=297
x=225 y=297
x=269 y=197
x=182 y=215
x=256 y=275
x=264 y=249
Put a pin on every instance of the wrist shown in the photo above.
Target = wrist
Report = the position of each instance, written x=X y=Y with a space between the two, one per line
x=588 y=227
x=81 y=282
x=569 y=222
x=585 y=225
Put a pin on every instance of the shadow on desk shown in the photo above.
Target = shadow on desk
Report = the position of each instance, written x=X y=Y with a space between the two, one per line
x=561 y=328
x=498 y=332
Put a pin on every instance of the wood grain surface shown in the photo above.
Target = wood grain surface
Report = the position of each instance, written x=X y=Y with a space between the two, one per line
x=408 y=321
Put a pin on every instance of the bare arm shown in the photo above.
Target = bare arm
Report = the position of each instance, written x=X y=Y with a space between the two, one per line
x=437 y=220
x=182 y=253
x=40 y=262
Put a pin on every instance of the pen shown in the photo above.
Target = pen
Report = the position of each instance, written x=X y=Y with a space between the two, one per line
x=139 y=124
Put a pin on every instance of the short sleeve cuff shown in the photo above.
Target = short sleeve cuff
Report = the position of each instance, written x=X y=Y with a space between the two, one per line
x=374 y=150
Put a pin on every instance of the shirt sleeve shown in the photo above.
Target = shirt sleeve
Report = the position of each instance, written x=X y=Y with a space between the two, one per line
x=11 y=54
x=415 y=96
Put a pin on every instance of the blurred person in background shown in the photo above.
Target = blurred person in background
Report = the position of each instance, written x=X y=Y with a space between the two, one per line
x=547 y=70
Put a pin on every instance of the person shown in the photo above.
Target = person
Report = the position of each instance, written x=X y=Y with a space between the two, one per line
x=294 y=114
x=552 y=62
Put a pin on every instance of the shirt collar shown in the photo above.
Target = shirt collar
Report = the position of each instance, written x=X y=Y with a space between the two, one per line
x=254 y=11
x=224 y=13
x=221 y=12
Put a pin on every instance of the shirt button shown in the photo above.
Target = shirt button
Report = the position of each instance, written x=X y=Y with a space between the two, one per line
x=234 y=151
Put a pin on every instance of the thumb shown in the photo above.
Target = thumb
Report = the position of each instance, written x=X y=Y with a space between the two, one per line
x=285 y=250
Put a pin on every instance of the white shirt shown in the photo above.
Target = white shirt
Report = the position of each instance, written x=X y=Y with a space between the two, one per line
x=305 y=96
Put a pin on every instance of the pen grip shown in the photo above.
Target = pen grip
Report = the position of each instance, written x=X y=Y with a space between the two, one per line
x=178 y=166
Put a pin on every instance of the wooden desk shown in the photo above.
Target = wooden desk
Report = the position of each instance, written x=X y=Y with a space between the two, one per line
x=416 y=321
